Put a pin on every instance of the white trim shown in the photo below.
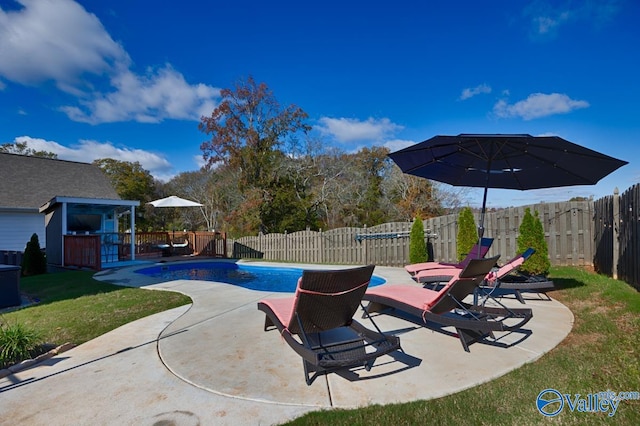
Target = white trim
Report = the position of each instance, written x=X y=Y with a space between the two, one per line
x=64 y=231
x=95 y=201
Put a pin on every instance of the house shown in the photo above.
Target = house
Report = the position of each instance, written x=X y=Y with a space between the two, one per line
x=72 y=197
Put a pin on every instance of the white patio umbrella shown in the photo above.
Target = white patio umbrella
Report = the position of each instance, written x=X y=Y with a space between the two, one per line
x=174 y=201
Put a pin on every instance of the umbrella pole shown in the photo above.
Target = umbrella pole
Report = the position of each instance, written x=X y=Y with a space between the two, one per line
x=484 y=207
x=484 y=200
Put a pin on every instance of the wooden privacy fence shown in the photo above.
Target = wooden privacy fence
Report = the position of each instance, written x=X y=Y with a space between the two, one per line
x=628 y=252
x=617 y=236
x=208 y=243
x=568 y=228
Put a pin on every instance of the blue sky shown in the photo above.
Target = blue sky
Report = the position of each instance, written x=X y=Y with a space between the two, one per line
x=131 y=79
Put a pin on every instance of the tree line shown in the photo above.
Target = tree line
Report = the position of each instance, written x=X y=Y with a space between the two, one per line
x=265 y=172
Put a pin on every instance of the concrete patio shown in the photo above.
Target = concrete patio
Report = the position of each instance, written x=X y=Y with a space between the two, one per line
x=212 y=363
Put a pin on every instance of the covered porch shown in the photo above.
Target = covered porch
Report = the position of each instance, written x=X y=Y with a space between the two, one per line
x=100 y=233
x=85 y=232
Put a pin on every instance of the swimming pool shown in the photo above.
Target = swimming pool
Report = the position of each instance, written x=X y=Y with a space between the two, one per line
x=263 y=278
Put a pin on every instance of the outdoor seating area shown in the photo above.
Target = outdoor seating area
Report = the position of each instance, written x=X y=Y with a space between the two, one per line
x=345 y=363
x=265 y=380
x=447 y=307
x=273 y=373
x=504 y=279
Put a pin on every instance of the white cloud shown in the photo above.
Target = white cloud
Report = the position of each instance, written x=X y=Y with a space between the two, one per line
x=397 y=144
x=54 y=40
x=546 y=25
x=352 y=130
x=538 y=105
x=59 y=40
x=547 y=18
x=87 y=150
x=148 y=99
x=198 y=160
x=471 y=92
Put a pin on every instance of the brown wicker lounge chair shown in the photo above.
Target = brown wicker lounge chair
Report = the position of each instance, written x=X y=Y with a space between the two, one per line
x=520 y=283
x=443 y=275
x=477 y=251
x=447 y=308
x=317 y=322
x=504 y=279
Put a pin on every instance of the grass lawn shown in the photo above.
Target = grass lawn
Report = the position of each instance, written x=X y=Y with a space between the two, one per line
x=76 y=308
x=601 y=353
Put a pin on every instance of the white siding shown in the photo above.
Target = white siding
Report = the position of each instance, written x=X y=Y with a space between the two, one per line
x=16 y=230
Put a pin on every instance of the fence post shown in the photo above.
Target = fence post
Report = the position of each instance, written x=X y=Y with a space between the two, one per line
x=364 y=247
x=616 y=232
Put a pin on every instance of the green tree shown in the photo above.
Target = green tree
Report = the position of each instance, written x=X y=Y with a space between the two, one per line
x=467 y=232
x=249 y=132
x=247 y=129
x=370 y=165
x=532 y=235
x=284 y=210
x=22 y=148
x=417 y=246
x=132 y=182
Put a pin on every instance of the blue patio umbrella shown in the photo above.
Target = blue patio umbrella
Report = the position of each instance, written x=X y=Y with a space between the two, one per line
x=507 y=161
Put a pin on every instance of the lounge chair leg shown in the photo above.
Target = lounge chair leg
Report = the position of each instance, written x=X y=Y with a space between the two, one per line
x=469 y=336
x=371 y=308
x=519 y=297
x=368 y=365
x=268 y=323
x=309 y=378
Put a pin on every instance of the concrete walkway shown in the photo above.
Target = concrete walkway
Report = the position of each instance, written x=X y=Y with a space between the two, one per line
x=211 y=363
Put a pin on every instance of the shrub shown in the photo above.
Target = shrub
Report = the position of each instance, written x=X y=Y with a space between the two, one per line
x=417 y=247
x=532 y=235
x=34 y=261
x=467 y=232
x=17 y=343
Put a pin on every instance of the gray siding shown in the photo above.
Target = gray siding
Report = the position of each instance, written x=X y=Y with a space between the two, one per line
x=16 y=230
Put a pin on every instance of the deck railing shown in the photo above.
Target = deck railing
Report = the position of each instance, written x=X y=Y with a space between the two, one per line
x=94 y=251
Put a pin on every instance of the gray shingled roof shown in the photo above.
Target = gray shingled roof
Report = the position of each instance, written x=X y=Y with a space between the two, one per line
x=29 y=182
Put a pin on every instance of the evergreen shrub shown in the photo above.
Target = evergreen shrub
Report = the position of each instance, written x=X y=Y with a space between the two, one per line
x=417 y=246
x=467 y=232
x=34 y=261
x=532 y=235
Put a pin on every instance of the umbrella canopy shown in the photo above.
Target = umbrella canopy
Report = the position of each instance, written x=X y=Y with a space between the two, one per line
x=174 y=201
x=505 y=161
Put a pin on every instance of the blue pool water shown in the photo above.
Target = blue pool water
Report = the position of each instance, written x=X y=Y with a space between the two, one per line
x=263 y=278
